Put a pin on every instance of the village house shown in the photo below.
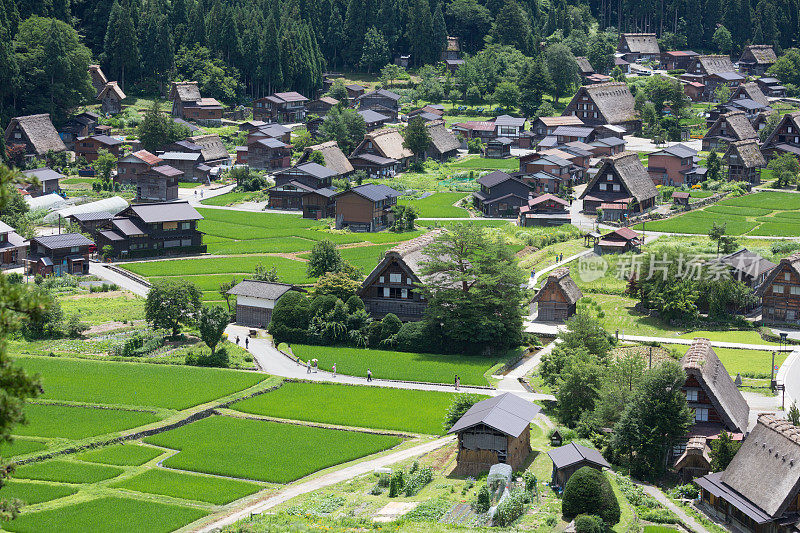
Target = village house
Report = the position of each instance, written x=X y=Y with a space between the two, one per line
x=675 y=165
x=501 y=195
x=545 y=126
x=373 y=120
x=562 y=170
x=255 y=301
x=623 y=65
x=283 y=108
x=135 y=163
x=48 y=181
x=544 y=210
x=66 y=253
x=759 y=491
x=605 y=103
x=111 y=97
x=785 y=139
x=321 y=106
x=694 y=90
x=729 y=127
x=452 y=50
x=753 y=110
x=618 y=241
x=712 y=71
x=319 y=203
x=677 y=60
x=444 y=145
x=151 y=229
x=636 y=46
x=385 y=143
x=750 y=91
x=292 y=183
x=681 y=198
x=744 y=161
x=567 y=134
x=492 y=431
x=593 y=79
x=190 y=163
x=265 y=153
x=584 y=67
x=367 y=207
x=475 y=129
x=189 y=105
x=393 y=285
x=712 y=82
x=571 y=457
x=335 y=160
x=99 y=79
x=577 y=157
x=780 y=293
x=261 y=130
x=557 y=299
x=89 y=147
x=35 y=134
x=13 y=248
x=771 y=87
x=430 y=110
x=717 y=406
x=156 y=184
x=498 y=148
x=384 y=102
x=756 y=59
x=622 y=180
x=210 y=147
x=748 y=267
x=90 y=221
x=607 y=146
x=452 y=65
x=509 y=127
x=80 y=125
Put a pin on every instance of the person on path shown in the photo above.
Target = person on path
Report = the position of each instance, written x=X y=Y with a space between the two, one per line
x=315 y=366
x=369 y=375
x=456 y=382
x=201 y=194
x=308 y=367
x=247 y=343
x=334 y=369
x=237 y=340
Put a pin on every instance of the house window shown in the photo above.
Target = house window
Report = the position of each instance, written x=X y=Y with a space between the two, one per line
x=787 y=276
x=790 y=314
x=395 y=278
x=692 y=395
x=603 y=187
x=616 y=187
x=386 y=292
x=777 y=289
x=380 y=279
x=186 y=225
x=794 y=289
x=701 y=415
x=609 y=178
x=74 y=249
x=168 y=226
x=404 y=293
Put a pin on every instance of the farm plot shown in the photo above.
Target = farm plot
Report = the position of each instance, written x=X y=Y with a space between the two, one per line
x=385 y=364
x=751 y=363
x=290 y=271
x=62 y=471
x=49 y=421
x=108 y=514
x=33 y=493
x=438 y=205
x=198 y=487
x=259 y=451
x=700 y=222
x=108 y=382
x=100 y=307
x=21 y=447
x=121 y=455
x=347 y=405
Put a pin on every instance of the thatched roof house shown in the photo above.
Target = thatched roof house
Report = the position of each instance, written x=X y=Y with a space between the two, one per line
x=557 y=298
x=385 y=142
x=444 y=144
x=36 y=133
x=744 y=160
x=707 y=65
x=785 y=138
x=729 y=127
x=605 y=103
x=212 y=149
x=636 y=45
x=752 y=91
x=335 y=160
x=621 y=180
x=757 y=58
x=584 y=66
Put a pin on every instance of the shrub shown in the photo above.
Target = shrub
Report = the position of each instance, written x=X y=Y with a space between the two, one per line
x=785 y=247
x=396 y=484
x=484 y=500
x=658 y=516
x=587 y=523
x=416 y=337
x=417 y=480
x=588 y=491
x=15 y=278
x=204 y=357
x=139 y=344
x=688 y=491
x=511 y=508
x=461 y=404
x=75 y=327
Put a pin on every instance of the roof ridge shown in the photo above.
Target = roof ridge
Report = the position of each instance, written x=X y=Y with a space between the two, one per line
x=780 y=426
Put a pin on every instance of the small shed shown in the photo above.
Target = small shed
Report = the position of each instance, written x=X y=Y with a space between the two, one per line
x=619 y=241
x=255 y=301
x=496 y=430
x=681 y=198
x=498 y=148
x=569 y=458
x=557 y=299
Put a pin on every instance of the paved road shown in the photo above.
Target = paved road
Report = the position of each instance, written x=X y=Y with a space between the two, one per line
x=125 y=282
x=326 y=480
x=789 y=377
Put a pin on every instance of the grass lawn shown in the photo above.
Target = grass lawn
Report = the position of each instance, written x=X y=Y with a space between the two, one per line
x=289 y=271
x=48 y=421
x=219 y=491
x=259 y=449
x=546 y=256
x=67 y=471
x=745 y=337
x=32 y=493
x=100 y=307
x=20 y=447
x=439 y=205
x=121 y=455
x=108 y=382
x=229 y=198
x=483 y=163
x=753 y=363
x=348 y=405
x=431 y=368
x=108 y=514
x=621 y=315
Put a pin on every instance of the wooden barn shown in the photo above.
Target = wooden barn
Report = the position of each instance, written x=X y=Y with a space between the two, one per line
x=780 y=292
x=496 y=430
x=557 y=298
x=569 y=458
x=255 y=301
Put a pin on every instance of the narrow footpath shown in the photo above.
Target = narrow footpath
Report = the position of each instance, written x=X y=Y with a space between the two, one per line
x=656 y=493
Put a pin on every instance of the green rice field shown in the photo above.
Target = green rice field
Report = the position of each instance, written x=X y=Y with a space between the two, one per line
x=438 y=205
x=121 y=455
x=349 y=405
x=259 y=450
x=32 y=493
x=21 y=447
x=62 y=471
x=49 y=421
x=198 y=487
x=405 y=366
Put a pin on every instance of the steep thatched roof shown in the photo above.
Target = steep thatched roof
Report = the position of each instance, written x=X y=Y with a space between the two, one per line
x=111 y=88
x=789 y=119
x=641 y=43
x=761 y=54
x=40 y=132
x=388 y=142
x=766 y=470
x=749 y=153
x=752 y=91
x=702 y=363
x=409 y=253
x=186 y=91
x=211 y=147
x=630 y=171
x=613 y=100
x=792 y=262
x=713 y=64
x=442 y=139
x=560 y=280
x=736 y=127
x=335 y=159
x=584 y=66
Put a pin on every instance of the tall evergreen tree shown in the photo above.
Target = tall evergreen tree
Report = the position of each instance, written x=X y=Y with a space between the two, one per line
x=439 y=30
x=272 y=67
x=419 y=33
x=354 y=31
x=334 y=40
x=121 y=44
x=512 y=27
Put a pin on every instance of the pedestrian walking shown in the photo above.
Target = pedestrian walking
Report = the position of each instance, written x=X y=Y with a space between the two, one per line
x=369 y=375
x=237 y=340
x=334 y=369
x=247 y=342
x=308 y=367
x=315 y=363
x=456 y=382
x=201 y=194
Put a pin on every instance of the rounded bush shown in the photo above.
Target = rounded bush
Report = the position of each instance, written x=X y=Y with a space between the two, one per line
x=588 y=491
x=587 y=523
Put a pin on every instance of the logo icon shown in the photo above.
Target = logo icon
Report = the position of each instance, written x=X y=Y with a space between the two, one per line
x=591 y=267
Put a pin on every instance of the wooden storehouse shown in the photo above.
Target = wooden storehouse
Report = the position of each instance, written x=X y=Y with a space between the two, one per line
x=292 y=183
x=544 y=210
x=111 y=97
x=188 y=104
x=156 y=184
x=744 y=161
x=335 y=160
x=49 y=181
x=89 y=147
x=558 y=297
x=255 y=301
x=492 y=431
x=635 y=46
x=780 y=293
x=98 y=77
x=393 y=285
x=13 y=248
x=569 y=458
x=367 y=207
x=501 y=195
x=748 y=267
x=619 y=241
x=622 y=181
x=66 y=253
x=384 y=102
x=444 y=144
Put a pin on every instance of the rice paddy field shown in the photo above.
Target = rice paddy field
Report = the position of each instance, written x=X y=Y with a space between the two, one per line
x=768 y=213
x=348 y=405
x=48 y=421
x=121 y=455
x=404 y=366
x=438 y=205
x=216 y=490
x=63 y=471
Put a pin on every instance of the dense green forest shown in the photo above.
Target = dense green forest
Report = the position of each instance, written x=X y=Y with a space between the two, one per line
x=239 y=49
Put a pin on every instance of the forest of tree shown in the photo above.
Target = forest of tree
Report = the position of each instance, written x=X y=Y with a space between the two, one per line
x=238 y=49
